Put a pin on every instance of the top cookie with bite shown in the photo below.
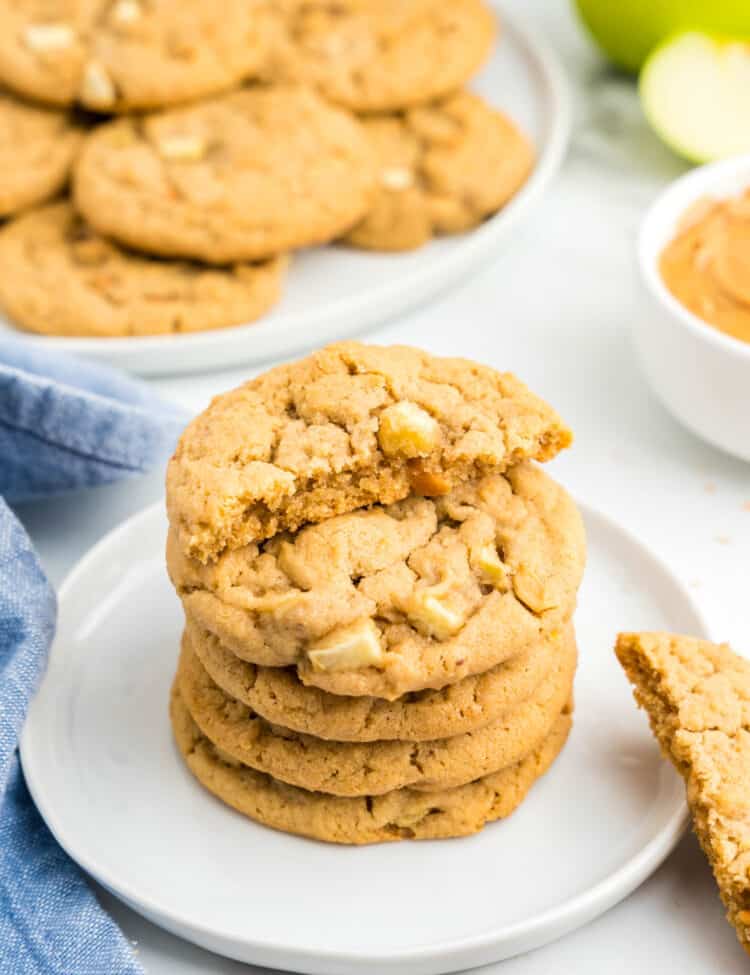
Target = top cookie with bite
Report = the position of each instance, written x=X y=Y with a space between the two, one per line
x=349 y=426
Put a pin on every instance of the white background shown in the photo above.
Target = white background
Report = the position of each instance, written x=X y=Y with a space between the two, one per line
x=555 y=308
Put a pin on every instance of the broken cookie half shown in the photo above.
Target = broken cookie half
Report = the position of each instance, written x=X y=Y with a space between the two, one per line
x=349 y=426
x=697 y=696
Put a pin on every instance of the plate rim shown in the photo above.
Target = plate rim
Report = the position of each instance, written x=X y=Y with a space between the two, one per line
x=205 y=350
x=447 y=955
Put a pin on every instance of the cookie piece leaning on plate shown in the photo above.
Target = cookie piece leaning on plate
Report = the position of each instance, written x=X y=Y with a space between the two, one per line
x=348 y=426
x=62 y=278
x=122 y=55
x=443 y=169
x=37 y=150
x=242 y=177
x=399 y=815
x=697 y=697
x=375 y=57
x=277 y=694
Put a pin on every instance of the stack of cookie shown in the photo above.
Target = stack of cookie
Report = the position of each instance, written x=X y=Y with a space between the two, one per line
x=245 y=130
x=378 y=585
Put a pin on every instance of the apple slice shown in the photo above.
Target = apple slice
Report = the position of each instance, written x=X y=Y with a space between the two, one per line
x=695 y=92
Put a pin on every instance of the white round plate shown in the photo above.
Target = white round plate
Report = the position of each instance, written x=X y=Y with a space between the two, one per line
x=335 y=292
x=99 y=759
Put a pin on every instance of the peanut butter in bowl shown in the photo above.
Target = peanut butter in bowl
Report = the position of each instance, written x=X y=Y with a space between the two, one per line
x=706 y=266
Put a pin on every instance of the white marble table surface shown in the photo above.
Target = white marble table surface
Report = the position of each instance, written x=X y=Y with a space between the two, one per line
x=556 y=309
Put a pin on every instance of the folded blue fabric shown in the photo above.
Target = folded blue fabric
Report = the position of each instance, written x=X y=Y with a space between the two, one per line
x=66 y=424
x=63 y=424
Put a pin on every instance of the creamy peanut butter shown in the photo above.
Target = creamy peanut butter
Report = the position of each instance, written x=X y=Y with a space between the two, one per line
x=707 y=264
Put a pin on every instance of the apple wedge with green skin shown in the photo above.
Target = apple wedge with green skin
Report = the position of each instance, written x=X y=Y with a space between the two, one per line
x=695 y=93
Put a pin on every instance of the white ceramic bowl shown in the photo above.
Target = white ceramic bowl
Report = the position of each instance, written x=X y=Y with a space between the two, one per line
x=700 y=374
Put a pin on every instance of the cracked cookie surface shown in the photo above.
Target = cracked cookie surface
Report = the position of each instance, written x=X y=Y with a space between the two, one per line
x=389 y=600
x=241 y=177
x=371 y=56
x=371 y=768
x=346 y=427
x=120 y=55
x=62 y=278
x=277 y=694
x=697 y=697
x=442 y=169
x=37 y=150
x=402 y=814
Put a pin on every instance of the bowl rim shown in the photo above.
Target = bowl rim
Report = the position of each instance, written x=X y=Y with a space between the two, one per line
x=671 y=203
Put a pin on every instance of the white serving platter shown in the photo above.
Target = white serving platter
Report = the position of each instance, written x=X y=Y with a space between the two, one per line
x=334 y=292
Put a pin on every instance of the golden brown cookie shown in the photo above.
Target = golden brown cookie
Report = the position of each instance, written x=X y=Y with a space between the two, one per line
x=697 y=697
x=62 y=278
x=403 y=814
x=277 y=694
x=385 y=601
x=443 y=169
x=371 y=56
x=347 y=426
x=242 y=177
x=37 y=149
x=120 y=55
x=372 y=768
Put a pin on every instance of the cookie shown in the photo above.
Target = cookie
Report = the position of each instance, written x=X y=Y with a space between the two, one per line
x=37 y=149
x=386 y=601
x=276 y=694
x=443 y=168
x=62 y=278
x=403 y=814
x=346 y=427
x=239 y=178
x=120 y=55
x=371 y=768
x=388 y=18
x=697 y=697
x=375 y=57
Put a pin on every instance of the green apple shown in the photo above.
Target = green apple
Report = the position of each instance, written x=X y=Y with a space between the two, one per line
x=628 y=30
x=695 y=92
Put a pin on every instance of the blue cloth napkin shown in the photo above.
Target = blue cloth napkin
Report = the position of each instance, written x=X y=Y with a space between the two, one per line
x=67 y=424
x=64 y=424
